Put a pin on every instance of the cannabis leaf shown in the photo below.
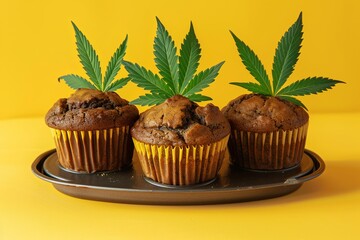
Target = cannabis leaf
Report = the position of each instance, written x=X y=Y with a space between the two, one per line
x=147 y=80
x=75 y=81
x=165 y=57
x=177 y=73
x=286 y=56
x=190 y=54
x=253 y=64
x=199 y=98
x=202 y=80
x=91 y=64
x=149 y=99
x=311 y=85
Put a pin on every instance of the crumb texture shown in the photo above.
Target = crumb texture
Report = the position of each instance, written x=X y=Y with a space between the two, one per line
x=179 y=121
x=89 y=109
x=257 y=113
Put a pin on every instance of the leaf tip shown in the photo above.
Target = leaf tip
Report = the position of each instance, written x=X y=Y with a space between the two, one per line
x=300 y=18
x=159 y=23
x=191 y=26
x=339 y=81
x=74 y=26
x=234 y=36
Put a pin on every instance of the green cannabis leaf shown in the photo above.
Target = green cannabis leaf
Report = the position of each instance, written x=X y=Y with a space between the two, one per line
x=286 y=56
x=253 y=64
x=91 y=64
x=149 y=99
x=202 y=80
x=147 y=80
x=311 y=85
x=190 y=54
x=177 y=72
x=165 y=57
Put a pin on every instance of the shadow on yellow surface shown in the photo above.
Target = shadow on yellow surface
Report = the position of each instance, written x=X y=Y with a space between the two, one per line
x=340 y=177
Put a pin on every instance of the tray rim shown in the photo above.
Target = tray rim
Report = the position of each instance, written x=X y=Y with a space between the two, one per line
x=82 y=190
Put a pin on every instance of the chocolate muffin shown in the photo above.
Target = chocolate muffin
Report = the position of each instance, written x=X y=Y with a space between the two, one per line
x=91 y=130
x=180 y=143
x=267 y=132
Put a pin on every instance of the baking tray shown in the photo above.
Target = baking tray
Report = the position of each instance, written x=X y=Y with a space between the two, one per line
x=129 y=186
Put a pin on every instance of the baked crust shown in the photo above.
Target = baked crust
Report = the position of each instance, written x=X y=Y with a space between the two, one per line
x=89 y=109
x=258 y=113
x=179 y=121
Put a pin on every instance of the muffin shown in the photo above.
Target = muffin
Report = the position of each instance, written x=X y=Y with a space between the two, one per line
x=91 y=130
x=266 y=132
x=180 y=143
x=269 y=127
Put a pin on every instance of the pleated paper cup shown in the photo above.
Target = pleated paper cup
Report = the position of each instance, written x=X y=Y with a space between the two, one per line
x=181 y=165
x=269 y=150
x=94 y=151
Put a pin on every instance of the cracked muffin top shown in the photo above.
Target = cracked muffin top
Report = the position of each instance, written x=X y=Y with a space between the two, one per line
x=89 y=109
x=179 y=121
x=258 y=113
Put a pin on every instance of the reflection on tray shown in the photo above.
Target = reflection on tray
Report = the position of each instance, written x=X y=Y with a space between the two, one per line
x=231 y=185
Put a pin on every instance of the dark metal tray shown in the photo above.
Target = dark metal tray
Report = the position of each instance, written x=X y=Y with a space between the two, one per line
x=129 y=186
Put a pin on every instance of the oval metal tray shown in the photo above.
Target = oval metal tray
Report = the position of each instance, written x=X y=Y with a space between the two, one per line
x=129 y=186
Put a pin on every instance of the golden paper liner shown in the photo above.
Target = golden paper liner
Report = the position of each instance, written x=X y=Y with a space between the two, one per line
x=181 y=165
x=267 y=151
x=93 y=151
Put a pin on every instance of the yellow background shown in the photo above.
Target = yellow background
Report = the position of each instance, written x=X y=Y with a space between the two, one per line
x=37 y=44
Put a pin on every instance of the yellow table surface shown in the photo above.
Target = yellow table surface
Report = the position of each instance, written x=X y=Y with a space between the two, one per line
x=327 y=207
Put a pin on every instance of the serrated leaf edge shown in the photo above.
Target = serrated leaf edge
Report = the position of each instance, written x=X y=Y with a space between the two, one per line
x=253 y=64
x=72 y=80
x=190 y=55
x=282 y=92
x=88 y=57
x=174 y=89
x=292 y=35
x=165 y=56
x=114 y=65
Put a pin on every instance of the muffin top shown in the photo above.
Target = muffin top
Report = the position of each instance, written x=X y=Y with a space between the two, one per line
x=258 y=113
x=179 y=121
x=89 y=109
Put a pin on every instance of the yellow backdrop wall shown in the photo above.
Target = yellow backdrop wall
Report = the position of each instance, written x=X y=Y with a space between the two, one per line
x=37 y=44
